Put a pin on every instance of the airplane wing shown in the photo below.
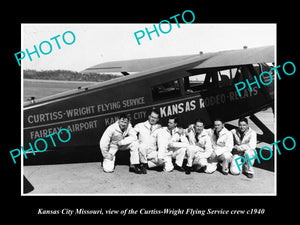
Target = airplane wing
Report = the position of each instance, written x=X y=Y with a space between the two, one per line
x=135 y=65
x=218 y=59
x=240 y=57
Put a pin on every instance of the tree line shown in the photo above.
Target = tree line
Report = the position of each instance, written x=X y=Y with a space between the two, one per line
x=67 y=75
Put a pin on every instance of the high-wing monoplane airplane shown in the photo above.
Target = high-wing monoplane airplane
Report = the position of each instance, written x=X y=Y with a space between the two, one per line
x=189 y=86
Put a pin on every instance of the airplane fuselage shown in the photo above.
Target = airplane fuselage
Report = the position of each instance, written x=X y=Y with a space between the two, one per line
x=177 y=90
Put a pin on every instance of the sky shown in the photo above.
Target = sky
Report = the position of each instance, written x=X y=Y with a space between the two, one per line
x=98 y=43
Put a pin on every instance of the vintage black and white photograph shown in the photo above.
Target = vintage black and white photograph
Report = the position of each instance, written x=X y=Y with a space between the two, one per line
x=169 y=108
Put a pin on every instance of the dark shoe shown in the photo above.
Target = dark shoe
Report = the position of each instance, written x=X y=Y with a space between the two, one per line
x=197 y=168
x=144 y=168
x=249 y=175
x=225 y=173
x=134 y=169
x=203 y=169
x=179 y=168
x=188 y=170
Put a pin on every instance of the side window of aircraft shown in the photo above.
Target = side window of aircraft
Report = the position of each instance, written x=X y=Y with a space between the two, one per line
x=169 y=89
x=247 y=72
x=201 y=82
x=242 y=73
x=195 y=83
x=260 y=67
x=225 y=77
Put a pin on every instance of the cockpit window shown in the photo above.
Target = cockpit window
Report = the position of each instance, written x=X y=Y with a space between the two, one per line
x=194 y=83
x=200 y=81
x=225 y=77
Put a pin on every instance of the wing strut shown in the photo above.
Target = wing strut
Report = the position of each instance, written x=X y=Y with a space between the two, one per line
x=267 y=135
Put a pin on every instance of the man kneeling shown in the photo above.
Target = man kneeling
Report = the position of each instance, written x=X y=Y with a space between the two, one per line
x=200 y=148
x=172 y=144
x=222 y=144
x=244 y=144
x=119 y=136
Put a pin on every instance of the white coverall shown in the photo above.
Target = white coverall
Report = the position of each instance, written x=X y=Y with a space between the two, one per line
x=112 y=140
x=171 y=145
x=199 y=151
x=247 y=145
x=222 y=147
x=147 y=142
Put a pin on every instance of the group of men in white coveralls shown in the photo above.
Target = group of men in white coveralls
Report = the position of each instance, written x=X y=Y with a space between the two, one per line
x=152 y=145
